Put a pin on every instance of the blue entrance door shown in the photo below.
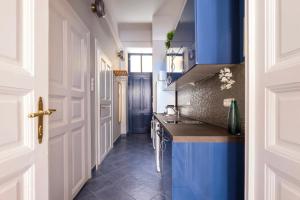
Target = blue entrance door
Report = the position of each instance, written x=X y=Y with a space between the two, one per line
x=140 y=102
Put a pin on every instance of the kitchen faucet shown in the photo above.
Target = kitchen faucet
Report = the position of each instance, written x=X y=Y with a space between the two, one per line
x=174 y=108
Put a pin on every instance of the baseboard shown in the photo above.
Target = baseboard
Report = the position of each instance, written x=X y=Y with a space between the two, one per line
x=117 y=140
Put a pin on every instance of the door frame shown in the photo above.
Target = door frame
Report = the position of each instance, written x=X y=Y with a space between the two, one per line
x=97 y=103
x=250 y=100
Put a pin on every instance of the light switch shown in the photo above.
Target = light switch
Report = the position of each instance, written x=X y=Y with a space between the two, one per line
x=92 y=84
x=227 y=102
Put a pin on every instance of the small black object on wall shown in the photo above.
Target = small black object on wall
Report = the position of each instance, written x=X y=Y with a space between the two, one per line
x=98 y=8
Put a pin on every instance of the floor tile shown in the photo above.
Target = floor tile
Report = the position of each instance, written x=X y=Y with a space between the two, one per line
x=127 y=173
x=160 y=197
x=113 y=193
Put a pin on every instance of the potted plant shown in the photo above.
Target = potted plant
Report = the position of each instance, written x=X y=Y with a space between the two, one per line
x=170 y=36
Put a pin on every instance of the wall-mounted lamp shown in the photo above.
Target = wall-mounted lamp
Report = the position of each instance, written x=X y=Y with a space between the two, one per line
x=98 y=8
x=120 y=54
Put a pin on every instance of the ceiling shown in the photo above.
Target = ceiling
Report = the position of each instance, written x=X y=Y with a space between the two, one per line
x=133 y=11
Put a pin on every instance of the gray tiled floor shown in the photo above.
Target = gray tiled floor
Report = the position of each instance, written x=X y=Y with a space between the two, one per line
x=127 y=173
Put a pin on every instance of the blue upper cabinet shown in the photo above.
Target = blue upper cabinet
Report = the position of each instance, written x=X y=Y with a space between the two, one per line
x=211 y=32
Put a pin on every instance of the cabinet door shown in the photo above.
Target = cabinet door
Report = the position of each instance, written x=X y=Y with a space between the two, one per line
x=210 y=171
x=184 y=38
x=219 y=31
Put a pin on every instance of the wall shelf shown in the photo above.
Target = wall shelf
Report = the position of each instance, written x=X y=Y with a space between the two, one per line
x=198 y=73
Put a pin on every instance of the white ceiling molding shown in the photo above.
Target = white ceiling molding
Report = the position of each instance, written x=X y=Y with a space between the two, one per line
x=114 y=30
x=112 y=23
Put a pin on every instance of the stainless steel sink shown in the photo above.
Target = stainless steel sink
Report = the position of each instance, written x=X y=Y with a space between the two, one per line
x=183 y=122
x=191 y=122
x=168 y=121
x=169 y=115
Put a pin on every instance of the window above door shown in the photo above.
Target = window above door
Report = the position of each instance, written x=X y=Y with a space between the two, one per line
x=140 y=63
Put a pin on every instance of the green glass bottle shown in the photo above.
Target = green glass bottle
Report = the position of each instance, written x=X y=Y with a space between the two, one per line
x=234 y=125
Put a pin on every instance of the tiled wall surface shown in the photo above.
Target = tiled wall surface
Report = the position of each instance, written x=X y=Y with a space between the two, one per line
x=206 y=99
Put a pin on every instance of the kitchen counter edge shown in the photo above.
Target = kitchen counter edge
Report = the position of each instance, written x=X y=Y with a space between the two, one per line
x=220 y=135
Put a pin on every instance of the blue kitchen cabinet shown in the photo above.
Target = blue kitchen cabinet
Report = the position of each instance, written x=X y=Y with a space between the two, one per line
x=210 y=32
x=219 y=31
x=207 y=171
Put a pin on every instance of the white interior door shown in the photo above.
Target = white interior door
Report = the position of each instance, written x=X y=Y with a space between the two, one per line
x=69 y=158
x=103 y=105
x=274 y=92
x=23 y=79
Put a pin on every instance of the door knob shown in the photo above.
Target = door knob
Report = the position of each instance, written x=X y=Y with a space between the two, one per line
x=40 y=114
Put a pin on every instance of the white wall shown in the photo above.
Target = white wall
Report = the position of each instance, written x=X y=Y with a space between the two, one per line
x=99 y=28
x=135 y=34
x=164 y=20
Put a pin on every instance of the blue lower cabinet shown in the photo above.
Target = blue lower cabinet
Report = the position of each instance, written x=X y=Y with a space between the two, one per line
x=207 y=171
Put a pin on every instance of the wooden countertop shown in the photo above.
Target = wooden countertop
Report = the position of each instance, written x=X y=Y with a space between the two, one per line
x=196 y=133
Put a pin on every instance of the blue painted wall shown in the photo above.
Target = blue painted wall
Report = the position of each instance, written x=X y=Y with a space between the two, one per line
x=208 y=171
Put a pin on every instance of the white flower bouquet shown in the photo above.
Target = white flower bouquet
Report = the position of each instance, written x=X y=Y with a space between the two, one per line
x=225 y=77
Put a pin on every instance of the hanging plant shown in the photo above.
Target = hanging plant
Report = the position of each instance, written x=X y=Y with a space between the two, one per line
x=168 y=44
x=170 y=36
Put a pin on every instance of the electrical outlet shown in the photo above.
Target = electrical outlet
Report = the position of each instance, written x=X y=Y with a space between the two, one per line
x=227 y=102
x=188 y=103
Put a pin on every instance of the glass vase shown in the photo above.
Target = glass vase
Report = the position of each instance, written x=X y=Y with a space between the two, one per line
x=234 y=125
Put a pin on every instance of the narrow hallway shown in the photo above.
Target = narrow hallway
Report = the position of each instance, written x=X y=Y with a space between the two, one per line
x=127 y=173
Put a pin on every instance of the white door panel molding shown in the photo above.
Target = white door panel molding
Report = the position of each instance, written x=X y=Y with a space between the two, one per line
x=69 y=82
x=23 y=80
x=273 y=90
x=103 y=99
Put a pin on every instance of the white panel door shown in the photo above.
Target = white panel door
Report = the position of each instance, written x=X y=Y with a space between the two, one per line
x=23 y=79
x=103 y=105
x=274 y=72
x=69 y=128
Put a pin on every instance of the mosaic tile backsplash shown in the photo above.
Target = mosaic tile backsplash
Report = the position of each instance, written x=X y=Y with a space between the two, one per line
x=204 y=100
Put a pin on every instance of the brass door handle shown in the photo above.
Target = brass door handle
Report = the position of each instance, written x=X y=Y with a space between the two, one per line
x=50 y=111
x=40 y=114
